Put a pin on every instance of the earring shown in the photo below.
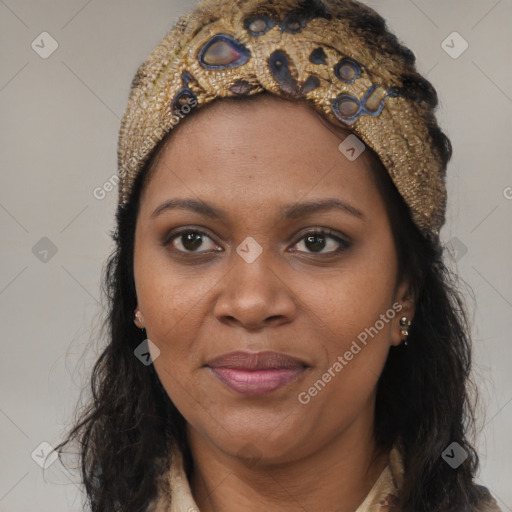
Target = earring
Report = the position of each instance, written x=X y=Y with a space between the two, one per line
x=405 y=323
x=138 y=318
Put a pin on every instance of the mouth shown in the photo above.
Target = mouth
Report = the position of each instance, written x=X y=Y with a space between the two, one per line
x=256 y=373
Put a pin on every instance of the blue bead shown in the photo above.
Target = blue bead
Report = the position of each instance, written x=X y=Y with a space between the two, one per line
x=347 y=70
x=223 y=51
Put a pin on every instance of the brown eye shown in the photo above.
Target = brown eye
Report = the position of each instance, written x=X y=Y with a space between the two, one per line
x=321 y=242
x=192 y=241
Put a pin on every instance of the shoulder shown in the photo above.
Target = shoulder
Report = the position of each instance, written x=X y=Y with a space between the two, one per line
x=487 y=502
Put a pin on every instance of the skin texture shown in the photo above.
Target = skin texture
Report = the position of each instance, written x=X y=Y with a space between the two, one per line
x=269 y=452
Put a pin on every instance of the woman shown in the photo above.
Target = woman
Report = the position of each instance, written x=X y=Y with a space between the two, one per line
x=283 y=333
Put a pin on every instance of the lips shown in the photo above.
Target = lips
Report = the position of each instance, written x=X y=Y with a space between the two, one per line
x=256 y=373
x=256 y=361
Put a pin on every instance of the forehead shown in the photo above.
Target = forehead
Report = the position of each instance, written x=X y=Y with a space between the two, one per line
x=264 y=148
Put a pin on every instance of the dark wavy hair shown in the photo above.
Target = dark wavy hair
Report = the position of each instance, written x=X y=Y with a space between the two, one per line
x=425 y=398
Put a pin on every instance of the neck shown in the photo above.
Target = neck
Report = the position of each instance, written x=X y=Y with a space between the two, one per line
x=337 y=475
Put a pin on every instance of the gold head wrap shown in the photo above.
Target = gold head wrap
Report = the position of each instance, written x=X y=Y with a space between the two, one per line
x=322 y=52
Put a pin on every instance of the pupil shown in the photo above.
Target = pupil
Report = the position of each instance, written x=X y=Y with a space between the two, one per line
x=192 y=241
x=314 y=246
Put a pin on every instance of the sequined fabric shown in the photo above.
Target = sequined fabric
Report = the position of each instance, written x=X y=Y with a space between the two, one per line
x=298 y=49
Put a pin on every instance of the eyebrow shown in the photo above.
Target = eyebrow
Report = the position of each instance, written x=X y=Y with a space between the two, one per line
x=291 y=211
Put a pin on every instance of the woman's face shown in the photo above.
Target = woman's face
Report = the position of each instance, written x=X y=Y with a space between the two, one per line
x=241 y=266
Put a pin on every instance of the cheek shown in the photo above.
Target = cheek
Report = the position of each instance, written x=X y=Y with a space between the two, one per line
x=167 y=295
x=355 y=345
x=354 y=312
x=174 y=322
x=353 y=297
x=173 y=313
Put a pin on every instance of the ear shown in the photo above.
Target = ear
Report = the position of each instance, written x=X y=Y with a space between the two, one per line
x=138 y=320
x=404 y=305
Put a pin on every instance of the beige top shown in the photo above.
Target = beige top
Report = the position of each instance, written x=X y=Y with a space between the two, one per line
x=380 y=497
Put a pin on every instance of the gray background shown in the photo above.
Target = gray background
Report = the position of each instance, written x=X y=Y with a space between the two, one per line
x=60 y=119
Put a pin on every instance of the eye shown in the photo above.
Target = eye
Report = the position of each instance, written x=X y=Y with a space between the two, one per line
x=191 y=240
x=318 y=240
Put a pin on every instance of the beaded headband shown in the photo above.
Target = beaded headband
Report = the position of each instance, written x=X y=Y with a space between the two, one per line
x=309 y=50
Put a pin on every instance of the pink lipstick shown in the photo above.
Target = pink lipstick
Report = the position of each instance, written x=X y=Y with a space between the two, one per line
x=256 y=373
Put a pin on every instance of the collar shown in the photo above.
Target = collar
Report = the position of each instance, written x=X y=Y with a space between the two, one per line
x=379 y=499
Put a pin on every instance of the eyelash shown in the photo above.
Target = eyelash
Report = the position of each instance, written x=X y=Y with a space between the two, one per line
x=324 y=232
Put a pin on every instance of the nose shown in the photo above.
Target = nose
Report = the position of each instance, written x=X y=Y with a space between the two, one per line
x=254 y=295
